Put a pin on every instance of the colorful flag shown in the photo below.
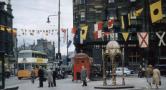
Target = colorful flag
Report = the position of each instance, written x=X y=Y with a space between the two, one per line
x=9 y=30
x=155 y=11
x=97 y=34
x=98 y=26
x=80 y=38
x=14 y=32
x=138 y=12
x=105 y=27
x=125 y=21
x=74 y=29
x=2 y=27
x=64 y=31
x=69 y=43
x=110 y=23
x=84 y=30
x=143 y=38
x=125 y=35
x=113 y=36
x=161 y=37
x=107 y=34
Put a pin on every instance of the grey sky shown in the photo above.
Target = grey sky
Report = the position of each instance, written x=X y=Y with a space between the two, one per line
x=32 y=14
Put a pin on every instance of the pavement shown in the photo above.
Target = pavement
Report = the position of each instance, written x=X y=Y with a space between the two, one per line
x=67 y=84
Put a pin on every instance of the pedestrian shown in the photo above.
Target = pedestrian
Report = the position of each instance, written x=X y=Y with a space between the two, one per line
x=139 y=71
x=50 y=78
x=54 y=77
x=149 y=73
x=33 y=75
x=156 y=77
x=45 y=74
x=83 y=76
x=41 y=76
x=142 y=72
x=72 y=72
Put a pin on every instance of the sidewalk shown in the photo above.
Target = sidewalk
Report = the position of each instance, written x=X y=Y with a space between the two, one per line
x=67 y=84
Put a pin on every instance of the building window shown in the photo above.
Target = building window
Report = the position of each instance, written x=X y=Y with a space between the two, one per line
x=82 y=1
x=82 y=16
x=111 y=1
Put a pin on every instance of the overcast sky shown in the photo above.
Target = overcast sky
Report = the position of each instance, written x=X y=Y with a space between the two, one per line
x=32 y=14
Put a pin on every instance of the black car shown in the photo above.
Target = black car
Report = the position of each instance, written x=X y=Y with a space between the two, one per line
x=162 y=68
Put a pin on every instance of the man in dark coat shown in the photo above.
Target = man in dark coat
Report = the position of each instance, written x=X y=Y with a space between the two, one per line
x=54 y=77
x=41 y=76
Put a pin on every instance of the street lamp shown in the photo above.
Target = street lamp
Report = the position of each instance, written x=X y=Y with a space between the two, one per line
x=48 y=18
x=48 y=21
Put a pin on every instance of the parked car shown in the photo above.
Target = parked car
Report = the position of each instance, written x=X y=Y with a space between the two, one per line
x=126 y=71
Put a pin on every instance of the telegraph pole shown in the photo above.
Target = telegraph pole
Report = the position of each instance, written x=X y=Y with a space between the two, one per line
x=59 y=29
x=67 y=46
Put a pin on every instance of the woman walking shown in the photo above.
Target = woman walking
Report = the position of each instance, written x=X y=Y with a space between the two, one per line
x=156 y=77
x=33 y=75
x=149 y=73
x=50 y=78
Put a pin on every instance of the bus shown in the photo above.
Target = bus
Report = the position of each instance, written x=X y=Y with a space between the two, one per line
x=29 y=59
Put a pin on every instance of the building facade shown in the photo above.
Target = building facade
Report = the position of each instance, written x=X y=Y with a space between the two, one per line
x=47 y=47
x=129 y=16
x=8 y=39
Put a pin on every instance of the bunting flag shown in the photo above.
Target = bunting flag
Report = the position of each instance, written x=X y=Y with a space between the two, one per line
x=14 y=32
x=69 y=43
x=138 y=12
x=33 y=32
x=105 y=27
x=125 y=35
x=107 y=34
x=64 y=37
x=155 y=11
x=74 y=29
x=2 y=28
x=143 y=39
x=161 y=37
x=125 y=21
x=113 y=36
x=9 y=30
x=98 y=30
x=80 y=38
x=84 y=30
x=110 y=23
x=97 y=34
x=129 y=17
x=98 y=26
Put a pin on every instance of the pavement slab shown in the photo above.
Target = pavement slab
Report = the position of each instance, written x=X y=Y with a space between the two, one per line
x=67 y=84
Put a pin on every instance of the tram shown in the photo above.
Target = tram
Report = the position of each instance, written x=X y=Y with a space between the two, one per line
x=29 y=59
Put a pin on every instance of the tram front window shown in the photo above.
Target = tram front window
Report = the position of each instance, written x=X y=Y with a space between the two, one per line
x=25 y=66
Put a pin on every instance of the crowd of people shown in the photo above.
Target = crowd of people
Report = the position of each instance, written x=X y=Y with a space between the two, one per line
x=151 y=73
x=47 y=74
x=52 y=74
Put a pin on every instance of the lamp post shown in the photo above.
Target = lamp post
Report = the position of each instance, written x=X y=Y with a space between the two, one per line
x=67 y=55
x=48 y=21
